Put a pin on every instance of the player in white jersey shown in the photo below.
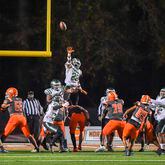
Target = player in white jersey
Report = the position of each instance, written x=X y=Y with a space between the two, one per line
x=160 y=117
x=52 y=114
x=55 y=92
x=72 y=77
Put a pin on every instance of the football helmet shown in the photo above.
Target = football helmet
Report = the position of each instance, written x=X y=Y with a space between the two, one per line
x=109 y=90
x=11 y=92
x=145 y=99
x=112 y=96
x=55 y=84
x=76 y=62
x=162 y=92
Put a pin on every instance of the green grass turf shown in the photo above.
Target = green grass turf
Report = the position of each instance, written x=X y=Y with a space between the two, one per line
x=80 y=158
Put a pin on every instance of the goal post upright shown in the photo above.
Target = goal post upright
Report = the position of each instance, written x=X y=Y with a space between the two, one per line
x=48 y=26
x=24 y=53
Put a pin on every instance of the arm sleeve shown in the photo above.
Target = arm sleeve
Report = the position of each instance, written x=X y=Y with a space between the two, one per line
x=156 y=102
x=101 y=107
x=69 y=58
x=99 y=111
x=68 y=62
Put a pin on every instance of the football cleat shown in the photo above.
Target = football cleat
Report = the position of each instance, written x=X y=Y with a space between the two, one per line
x=110 y=149
x=45 y=146
x=63 y=150
x=79 y=147
x=4 y=151
x=127 y=152
x=75 y=150
x=160 y=151
x=100 y=149
x=35 y=150
x=141 y=150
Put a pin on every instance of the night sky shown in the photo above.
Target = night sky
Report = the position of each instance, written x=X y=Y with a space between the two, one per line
x=120 y=44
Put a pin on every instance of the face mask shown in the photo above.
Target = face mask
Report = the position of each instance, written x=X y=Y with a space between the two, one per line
x=6 y=96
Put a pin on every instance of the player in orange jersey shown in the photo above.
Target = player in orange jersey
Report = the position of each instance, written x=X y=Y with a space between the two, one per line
x=115 y=111
x=14 y=105
x=78 y=116
x=135 y=124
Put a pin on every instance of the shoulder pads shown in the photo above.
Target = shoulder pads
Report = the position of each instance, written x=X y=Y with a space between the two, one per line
x=48 y=91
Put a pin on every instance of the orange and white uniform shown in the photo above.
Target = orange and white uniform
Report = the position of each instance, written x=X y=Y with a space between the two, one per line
x=14 y=105
x=136 y=122
x=17 y=119
x=115 y=113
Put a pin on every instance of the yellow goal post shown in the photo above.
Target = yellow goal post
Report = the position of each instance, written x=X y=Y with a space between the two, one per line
x=24 y=53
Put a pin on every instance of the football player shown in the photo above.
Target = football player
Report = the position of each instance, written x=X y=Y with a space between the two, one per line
x=114 y=109
x=55 y=113
x=160 y=118
x=72 y=78
x=136 y=123
x=104 y=121
x=55 y=91
x=78 y=116
x=54 y=95
x=14 y=105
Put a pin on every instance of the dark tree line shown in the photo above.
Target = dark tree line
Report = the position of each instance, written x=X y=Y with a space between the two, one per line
x=121 y=44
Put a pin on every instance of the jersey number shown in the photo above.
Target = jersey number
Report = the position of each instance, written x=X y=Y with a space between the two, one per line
x=117 y=108
x=75 y=76
x=18 y=106
x=141 y=114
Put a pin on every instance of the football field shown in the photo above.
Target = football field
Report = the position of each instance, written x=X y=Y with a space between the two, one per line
x=80 y=158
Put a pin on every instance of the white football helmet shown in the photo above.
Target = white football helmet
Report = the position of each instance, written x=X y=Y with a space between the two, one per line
x=55 y=84
x=109 y=90
x=76 y=62
x=162 y=92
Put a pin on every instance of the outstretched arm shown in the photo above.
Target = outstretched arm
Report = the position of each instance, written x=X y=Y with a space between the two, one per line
x=70 y=50
x=129 y=111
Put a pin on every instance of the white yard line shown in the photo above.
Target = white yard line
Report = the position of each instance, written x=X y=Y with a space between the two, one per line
x=83 y=160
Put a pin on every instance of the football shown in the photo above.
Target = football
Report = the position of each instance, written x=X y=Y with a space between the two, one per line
x=63 y=26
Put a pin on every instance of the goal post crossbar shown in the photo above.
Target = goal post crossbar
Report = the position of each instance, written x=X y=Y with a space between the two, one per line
x=24 y=53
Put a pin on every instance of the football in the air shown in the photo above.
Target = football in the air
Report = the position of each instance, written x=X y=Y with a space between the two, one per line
x=63 y=26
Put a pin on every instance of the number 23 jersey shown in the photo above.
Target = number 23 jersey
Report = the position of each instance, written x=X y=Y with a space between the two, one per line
x=72 y=76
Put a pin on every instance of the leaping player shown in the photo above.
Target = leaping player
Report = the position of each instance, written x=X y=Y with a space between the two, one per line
x=72 y=78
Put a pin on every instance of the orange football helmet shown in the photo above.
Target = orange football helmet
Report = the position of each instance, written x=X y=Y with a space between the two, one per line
x=145 y=99
x=11 y=92
x=112 y=96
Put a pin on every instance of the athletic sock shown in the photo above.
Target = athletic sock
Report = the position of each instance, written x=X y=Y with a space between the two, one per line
x=73 y=140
